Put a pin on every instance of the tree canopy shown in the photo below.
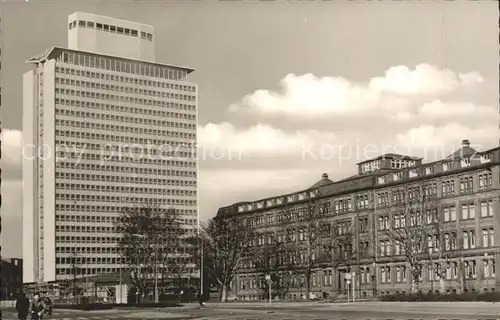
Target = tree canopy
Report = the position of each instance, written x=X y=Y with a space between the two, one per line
x=151 y=239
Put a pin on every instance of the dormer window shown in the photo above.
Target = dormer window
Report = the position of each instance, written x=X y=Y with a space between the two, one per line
x=413 y=173
x=397 y=176
x=381 y=180
x=446 y=166
x=370 y=166
x=485 y=158
x=429 y=170
x=396 y=164
x=465 y=162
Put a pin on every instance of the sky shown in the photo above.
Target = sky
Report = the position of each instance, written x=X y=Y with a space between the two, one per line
x=288 y=91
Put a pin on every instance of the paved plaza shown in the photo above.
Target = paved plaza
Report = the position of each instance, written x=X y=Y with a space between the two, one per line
x=296 y=311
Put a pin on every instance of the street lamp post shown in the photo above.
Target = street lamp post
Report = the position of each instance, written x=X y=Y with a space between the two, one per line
x=354 y=279
x=199 y=230
x=157 y=299
x=486 y=268
x=201 y=267
x=269 y=284
x=374 y=278
x=347 y=278
x=155 y=270
x=121 y=281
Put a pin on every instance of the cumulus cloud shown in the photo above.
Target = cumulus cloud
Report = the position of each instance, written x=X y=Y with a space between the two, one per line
x=11 y=154
x=11 y=146
x=437 y=142
x=404 y=111
x=396 y=92
x=260 y=138
x=448 y=111
x=438 y=108
x=425 y=80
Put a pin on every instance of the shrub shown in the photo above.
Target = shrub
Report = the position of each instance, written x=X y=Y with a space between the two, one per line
x=466 y=296
x=161 y=304
x=108 y=306
x=86 y=306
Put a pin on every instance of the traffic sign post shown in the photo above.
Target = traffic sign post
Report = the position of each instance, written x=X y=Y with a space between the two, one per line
x=353 y=286
x=347 y=277
x=269 y=284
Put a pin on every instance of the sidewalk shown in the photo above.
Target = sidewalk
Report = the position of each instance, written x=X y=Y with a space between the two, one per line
x=262 y=304
x=159 y=315
x=454 y=307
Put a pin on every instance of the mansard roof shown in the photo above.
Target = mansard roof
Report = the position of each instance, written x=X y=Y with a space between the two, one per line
x=372 y=180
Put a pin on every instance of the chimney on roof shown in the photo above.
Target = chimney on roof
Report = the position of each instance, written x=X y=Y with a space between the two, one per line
x=324 y=176
x=465 y=143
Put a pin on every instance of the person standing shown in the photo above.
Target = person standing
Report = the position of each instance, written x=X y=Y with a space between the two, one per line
x=48 y=306
x=22 y=306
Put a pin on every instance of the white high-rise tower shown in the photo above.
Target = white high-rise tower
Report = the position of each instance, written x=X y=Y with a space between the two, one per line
x=91 y=110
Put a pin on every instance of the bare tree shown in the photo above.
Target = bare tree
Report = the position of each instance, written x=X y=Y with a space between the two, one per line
x=341 y=243
x=307 y=219
x=443 y=247
x=223 y=243
x=150 y=242
x=420 y=234
x=271 y=261
x=344 y=245
x=322 y=239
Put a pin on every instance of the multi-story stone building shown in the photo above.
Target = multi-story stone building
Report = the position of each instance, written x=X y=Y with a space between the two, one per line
x=105 y=127
x=462 y=192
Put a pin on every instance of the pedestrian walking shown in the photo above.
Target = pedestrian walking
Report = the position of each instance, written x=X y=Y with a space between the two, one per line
x=22 y=306
x=200 y=298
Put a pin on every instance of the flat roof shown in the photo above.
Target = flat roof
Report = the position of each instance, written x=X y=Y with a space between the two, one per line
x=84 y=14
x=391 y=156
x=49 y=53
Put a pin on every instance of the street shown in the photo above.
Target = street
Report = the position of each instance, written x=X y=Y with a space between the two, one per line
x=292 y=311
x=363 y=310
x=123 y=314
